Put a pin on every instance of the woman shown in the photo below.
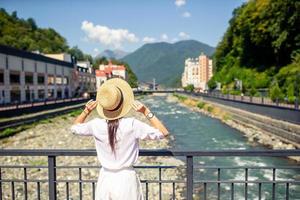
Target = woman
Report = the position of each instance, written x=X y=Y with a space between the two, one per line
x=117 y=139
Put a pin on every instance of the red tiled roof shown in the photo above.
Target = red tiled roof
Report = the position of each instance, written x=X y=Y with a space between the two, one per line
x=108 y=70
x=100 y=73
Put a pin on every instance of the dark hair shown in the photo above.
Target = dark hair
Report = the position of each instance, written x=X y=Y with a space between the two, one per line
x=112 y=127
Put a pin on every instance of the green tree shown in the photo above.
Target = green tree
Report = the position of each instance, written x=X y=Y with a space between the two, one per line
x=253 y=91
x=189 y=88
x=32 y=23
x=99 y=61
x=290 y=94
x=212 y=84
x=77 y=53
x=275 y=92
x=262 y=42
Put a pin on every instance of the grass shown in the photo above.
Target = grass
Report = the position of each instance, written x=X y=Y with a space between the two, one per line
x=11 y=131
x=75 y=113
x=226 y=117
x=180 y=97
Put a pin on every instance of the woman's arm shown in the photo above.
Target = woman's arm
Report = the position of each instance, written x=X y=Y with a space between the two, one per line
x=139 y=107
x=89 y=107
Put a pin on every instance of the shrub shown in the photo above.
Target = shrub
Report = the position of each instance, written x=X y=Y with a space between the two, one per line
x=200 y=104
x=275 y=92
x=210 y=109
x=290 y=94
x=180 y=97
x=189 y=88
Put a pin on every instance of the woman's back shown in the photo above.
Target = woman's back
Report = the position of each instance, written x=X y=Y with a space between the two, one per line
x=129 y=131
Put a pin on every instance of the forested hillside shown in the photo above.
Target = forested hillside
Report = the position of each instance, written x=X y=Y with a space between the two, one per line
x=261 y=47
x=26 y=35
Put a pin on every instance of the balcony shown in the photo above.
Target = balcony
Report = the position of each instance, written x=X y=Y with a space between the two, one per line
x=17 y=182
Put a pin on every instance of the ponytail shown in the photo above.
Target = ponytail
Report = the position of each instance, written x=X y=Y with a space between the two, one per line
x=112 y=127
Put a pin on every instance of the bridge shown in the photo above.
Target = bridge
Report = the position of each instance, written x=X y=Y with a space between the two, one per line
x=47 y=183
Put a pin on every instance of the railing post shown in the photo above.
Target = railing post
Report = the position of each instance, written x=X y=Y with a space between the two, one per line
x=52 y=177
x=189 y=177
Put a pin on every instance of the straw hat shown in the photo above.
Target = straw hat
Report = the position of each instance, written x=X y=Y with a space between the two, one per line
x=114 y=98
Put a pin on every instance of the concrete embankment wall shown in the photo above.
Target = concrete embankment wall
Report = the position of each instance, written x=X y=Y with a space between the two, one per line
x=275 y=112
x=28 y=110
x=285 y=131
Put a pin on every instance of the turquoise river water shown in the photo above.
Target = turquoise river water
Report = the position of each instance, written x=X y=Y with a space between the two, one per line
x=195 y=131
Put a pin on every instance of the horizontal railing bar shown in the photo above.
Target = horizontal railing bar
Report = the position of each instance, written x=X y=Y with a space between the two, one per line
x=138 y=167
x=158 y=166
x=24 y=181
x=22 y=166
x=147 y=152
x=83 y=166
x=142 y=181
x=155 y=181
x=246 y=167
x=249 y=181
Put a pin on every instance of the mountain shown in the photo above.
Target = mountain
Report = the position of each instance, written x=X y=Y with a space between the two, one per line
x=164 y=61
x=117 y=54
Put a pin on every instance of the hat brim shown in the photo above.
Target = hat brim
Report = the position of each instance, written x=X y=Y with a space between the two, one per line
x=128 y=99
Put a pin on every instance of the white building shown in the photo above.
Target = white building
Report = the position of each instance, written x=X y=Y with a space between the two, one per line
x=197 y=71
x=28 y=77
x=191 y=73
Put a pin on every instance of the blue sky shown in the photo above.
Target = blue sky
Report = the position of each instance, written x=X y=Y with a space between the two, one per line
x=128 y=24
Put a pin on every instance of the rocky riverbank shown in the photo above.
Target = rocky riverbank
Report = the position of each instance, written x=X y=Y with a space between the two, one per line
x=253 y=133
x=54 y=133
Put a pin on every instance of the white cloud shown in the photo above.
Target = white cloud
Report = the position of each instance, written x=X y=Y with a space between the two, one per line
x=164 y=37
x=107 y=36
x=96 y=50
x=186 y=14
x=183 y=35
x=180 y=3
x=175 y=39
x=149 y=39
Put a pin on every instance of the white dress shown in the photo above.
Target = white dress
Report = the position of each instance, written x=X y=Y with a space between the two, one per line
x=117 y=179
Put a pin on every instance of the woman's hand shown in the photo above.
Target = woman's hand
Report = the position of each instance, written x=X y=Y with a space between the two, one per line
x=90 y=106
x=139 y=107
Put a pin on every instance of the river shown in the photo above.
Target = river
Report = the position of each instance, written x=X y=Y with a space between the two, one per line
x=195 y=131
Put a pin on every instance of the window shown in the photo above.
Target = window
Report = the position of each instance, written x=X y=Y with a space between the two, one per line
x=15 y=96
x=28 y=78
x=50 y=93
x=41 y=94
x=66 y=93
x=58 y=80
x=66 y=81
x=29 y=95
x=1 y=77
x=41 y=79
x=14 y=77
x=50 y=80
x=59 y=94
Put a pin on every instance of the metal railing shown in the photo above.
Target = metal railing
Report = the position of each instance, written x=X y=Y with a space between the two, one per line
x=254 y=100
x=50 y=181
